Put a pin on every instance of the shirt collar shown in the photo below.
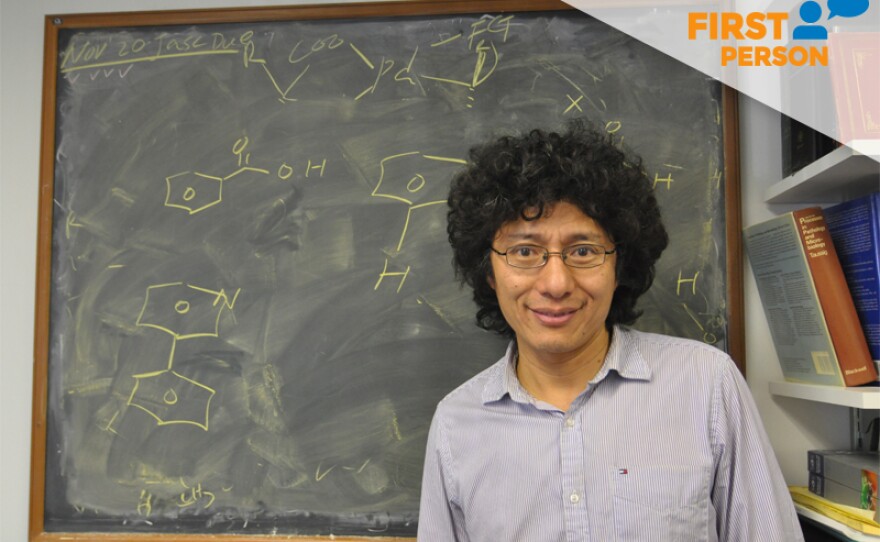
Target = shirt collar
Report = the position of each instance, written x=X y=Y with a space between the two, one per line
x=502 y=377
x=623 y=358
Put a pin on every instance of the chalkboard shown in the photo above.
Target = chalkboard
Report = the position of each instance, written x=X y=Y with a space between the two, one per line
x=246 y=308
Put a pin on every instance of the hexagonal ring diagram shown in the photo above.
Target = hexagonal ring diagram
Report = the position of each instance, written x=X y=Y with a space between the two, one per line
x=193 y=191
x=172 y=398
x=184 y=311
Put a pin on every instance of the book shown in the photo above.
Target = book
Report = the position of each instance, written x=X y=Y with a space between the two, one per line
x=855 y=230
x=801 y=145
x=864 y=498
x=855 y=77
x=813 y=321
x=860 y=521
x=849 y=468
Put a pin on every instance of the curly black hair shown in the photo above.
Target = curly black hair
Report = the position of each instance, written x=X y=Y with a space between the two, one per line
x=521 y=176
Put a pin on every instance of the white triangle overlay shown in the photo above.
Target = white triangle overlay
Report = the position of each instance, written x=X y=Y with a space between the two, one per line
x=803 y=93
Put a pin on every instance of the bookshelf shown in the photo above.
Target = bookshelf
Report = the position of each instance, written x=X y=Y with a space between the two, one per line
x=866 y=398
x=838 y=176
x=848 y=532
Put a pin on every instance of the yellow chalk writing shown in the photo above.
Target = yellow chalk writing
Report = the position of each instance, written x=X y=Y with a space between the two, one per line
x=668 y=180
x=385 y=273
x=692 y=280
x=319 y=167
x=574 y=103
x=145 y=503
x=160 y=393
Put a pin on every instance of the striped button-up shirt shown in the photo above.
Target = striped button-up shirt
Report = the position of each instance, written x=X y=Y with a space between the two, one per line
x=664 y=444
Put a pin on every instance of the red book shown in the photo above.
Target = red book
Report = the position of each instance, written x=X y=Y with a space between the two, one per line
x=812 y=317
x=855 y=77
x=841 y=318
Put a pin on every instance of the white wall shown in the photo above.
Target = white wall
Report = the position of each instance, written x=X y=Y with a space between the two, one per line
x=792 y=424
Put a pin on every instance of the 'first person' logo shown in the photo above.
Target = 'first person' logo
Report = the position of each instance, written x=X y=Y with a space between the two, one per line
x=756 y=25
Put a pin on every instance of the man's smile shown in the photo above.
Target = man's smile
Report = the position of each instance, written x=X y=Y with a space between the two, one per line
x=554 y=316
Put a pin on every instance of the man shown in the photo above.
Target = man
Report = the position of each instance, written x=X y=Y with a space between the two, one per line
x=586 y=429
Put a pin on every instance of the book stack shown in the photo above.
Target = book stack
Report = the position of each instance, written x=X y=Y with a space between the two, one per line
x=855 y=523
x=814 y=324
x=845 y=477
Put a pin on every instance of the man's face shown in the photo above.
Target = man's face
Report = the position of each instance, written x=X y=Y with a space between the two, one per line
x=556 y=311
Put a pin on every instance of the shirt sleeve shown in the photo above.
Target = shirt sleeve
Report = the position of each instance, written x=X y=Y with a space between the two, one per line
x=749 y=495
x=440 y=520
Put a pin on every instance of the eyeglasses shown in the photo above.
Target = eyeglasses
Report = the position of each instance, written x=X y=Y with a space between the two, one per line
x=531 y=256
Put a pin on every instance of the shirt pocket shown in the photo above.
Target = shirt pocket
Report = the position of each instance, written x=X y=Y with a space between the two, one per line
x=659 y=504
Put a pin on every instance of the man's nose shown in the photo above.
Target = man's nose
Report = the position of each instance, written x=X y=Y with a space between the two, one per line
x=555 y=279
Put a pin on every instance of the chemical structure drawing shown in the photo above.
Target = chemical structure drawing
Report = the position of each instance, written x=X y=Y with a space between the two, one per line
x=248 y=57
x=254 y=50
x=405 y=178
x=483 y=48
x=172 y=398
x=185 y=312
x=328 y=43
x=194 y=191
x=407 y=185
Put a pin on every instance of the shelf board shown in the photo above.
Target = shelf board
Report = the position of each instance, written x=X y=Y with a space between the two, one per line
x=839 y=175
x=845 y=530
x=861 y=397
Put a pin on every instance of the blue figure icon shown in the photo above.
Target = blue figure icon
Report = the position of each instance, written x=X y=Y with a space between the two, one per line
x=810 y=12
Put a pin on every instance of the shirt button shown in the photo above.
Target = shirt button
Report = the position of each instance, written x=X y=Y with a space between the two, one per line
x=574 y=498
x=569 y=422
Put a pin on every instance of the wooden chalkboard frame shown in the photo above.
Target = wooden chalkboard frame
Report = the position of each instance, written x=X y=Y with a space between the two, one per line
x=54 y=23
